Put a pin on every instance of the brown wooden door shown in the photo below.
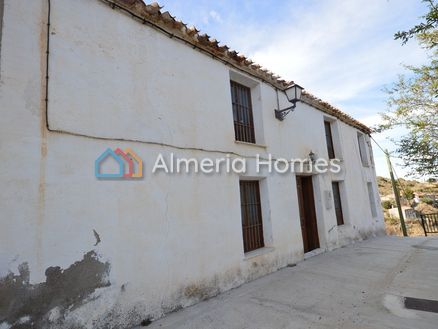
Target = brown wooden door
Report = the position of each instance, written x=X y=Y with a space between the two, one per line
x=306 y=203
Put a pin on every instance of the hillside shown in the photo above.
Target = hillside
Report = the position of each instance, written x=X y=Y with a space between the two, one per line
x=385 y=187
x=423 y=195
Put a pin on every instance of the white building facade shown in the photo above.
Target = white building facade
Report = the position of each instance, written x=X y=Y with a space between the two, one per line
x=113 y=252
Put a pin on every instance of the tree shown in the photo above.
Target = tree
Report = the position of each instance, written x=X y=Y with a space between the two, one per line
x=429 y=26
x=413 y=101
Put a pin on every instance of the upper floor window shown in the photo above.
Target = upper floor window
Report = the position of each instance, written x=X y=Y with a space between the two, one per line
x=242 y=113
x=362 y=149
x=329 y=139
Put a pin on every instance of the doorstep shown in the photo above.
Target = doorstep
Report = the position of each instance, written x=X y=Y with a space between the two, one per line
x=314 y=252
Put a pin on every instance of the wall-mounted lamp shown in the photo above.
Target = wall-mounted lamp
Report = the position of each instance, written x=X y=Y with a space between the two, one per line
x=293 y=94
x=312 y=157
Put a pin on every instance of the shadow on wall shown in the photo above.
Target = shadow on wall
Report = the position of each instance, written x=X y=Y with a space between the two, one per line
x=24 y=305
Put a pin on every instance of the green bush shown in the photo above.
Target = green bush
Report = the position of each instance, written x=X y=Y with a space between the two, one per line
x=386 y=204
x=427 y=200
x=409 y=194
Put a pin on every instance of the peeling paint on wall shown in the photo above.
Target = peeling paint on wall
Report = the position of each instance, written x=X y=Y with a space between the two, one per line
x=25 y=305
x=97 y=237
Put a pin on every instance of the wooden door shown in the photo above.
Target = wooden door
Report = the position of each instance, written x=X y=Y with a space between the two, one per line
x=306 y=203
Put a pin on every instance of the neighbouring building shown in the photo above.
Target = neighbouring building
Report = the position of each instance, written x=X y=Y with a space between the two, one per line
x=84 y=251
x=408 y=212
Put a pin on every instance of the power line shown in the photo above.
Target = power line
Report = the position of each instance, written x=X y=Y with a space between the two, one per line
x=393 y=169
x=382 y=149
x=399 y=182
x=392 y=166
x=396 y=194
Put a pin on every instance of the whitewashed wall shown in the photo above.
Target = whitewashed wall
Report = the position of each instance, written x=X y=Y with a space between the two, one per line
x=171 y=240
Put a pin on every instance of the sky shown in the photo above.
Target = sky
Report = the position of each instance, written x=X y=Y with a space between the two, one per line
x=342 y=51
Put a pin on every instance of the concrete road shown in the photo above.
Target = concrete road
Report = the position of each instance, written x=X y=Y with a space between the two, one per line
x=358 y=286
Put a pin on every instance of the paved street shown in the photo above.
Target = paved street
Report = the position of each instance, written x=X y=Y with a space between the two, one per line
x=359 y=286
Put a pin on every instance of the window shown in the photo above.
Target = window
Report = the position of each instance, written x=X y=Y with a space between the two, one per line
x=362 y=149
x=338 y=203
x=329 y=139
x=370 y=148
x=252 y=224
x=242 y=113
x=372 y=199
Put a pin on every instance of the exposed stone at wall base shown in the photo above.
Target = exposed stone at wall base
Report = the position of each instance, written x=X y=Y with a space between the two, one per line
x=25 y=305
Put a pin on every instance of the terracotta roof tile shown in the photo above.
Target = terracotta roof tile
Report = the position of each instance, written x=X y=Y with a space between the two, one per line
x=167 y=23
x=318 y=103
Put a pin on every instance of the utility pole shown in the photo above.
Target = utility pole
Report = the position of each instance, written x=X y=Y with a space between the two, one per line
x=396 y=195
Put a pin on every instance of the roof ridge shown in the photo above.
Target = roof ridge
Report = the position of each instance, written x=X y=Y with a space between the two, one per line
x=165 y=22
x=326 y=107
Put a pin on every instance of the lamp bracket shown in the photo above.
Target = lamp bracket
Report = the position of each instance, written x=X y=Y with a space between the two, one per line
x=281 y=114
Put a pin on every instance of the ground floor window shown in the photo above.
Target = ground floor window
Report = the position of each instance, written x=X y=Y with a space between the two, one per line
x=338 y=203
x=372 y=199
x=252 y=223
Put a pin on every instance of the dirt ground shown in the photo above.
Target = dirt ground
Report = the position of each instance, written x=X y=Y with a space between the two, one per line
x=393 y=227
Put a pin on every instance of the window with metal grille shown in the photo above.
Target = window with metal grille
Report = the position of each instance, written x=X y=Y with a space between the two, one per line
x=252 y=223
x=329 y=139
x=242 y=113
x=338 y=203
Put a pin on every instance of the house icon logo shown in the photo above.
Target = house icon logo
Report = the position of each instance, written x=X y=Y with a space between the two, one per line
x=128 y=164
